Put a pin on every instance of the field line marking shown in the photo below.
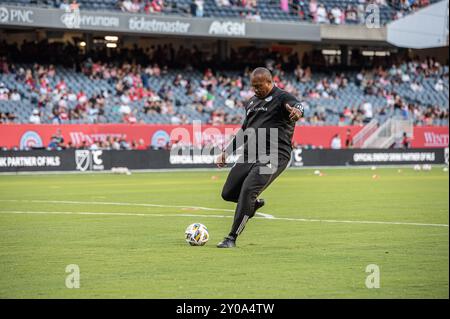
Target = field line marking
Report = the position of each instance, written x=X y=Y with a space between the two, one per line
x=359 y=222
x=127 y=204
x=223 y=216
x=111 y=214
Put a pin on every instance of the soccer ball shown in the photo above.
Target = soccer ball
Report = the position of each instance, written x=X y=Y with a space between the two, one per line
x=196 y=234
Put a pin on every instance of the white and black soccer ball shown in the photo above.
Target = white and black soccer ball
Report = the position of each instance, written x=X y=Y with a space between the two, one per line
x=196 y=234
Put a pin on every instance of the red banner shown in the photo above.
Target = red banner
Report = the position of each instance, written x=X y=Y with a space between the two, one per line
x=430 y=136
x=28 y=135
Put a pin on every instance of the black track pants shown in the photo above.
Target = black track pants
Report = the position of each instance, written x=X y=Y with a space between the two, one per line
x=244 y=184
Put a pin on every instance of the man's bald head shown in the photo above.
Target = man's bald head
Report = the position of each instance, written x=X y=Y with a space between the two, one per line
x=262 y=72
x=262 y=83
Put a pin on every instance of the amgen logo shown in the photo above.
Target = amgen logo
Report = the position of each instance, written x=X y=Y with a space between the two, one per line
x=227 y=28
x=30 y=139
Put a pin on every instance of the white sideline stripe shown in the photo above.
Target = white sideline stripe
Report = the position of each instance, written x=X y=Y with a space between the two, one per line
x=265 y=215
x=211 y=169
x=223 y=216
x=126 y=204
x=359 y=222
x=114 y=214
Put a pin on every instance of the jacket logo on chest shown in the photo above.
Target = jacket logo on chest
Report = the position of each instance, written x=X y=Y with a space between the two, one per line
x=256 y=109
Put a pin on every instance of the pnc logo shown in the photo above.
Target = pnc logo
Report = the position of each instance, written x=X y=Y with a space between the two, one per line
x=4 y=14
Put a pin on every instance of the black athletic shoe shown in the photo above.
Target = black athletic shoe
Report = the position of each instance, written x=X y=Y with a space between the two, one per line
x=228 y=242
x=258 y=204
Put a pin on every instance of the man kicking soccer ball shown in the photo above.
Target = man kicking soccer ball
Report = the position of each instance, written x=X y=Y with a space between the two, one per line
x=270 y=108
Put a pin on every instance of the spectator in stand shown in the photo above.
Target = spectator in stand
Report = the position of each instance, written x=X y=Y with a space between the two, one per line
x=336 y=142
x=4 y=92
x=157 y=6
x=367 y=110
x=64 y=5
x=253 y=17
x=313 y=6
x=351 y=15
x=300 y=8
x=141 y=145
x=7 y=117
x=15 y=95
x=224 y=3
x=4 y=67
x=439 y=86
x=348 y=139
x=337 y=15
x=405 y=141
x=322 y=14
x=416 y=87
x=35 y=117
x=74 y=5
x=284 y=5
x=56 y=142
x=199 y=8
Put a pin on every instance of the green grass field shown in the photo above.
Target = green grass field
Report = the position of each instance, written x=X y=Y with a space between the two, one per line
x=136 y=249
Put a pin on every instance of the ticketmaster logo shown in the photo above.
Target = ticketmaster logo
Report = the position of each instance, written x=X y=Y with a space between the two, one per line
x=142 y=24
x=227 y=28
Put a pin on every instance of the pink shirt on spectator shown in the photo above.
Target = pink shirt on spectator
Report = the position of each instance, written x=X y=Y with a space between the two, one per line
x=284 y=5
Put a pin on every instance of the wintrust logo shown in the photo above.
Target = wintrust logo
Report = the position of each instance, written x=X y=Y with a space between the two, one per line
x=15 y=15
x=227 y=28
x=433 y=139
